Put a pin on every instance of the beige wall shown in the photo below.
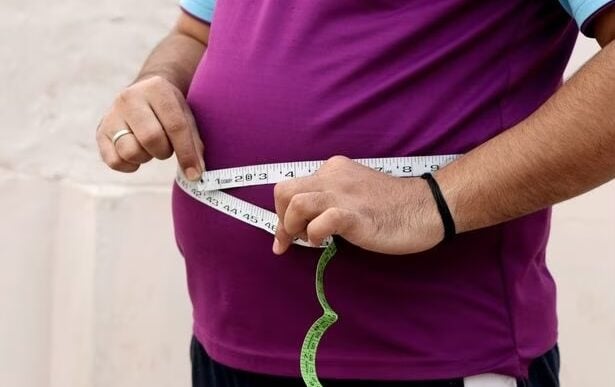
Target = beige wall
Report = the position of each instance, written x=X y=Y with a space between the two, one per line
x=92 y=289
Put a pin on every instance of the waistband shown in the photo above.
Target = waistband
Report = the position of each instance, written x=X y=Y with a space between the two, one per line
x=206 y=372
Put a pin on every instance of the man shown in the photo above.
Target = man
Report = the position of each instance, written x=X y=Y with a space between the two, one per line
x=306 y=80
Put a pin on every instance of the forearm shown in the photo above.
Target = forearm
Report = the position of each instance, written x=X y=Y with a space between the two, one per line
x=176 y=57
x=153 y=112
x=565 y=148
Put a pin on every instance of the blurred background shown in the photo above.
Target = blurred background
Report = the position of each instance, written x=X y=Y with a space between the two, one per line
x=92 y=289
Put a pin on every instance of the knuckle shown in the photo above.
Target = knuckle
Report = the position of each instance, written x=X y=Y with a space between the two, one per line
x=341 y=219
x=337 y=160
x=325 y=200
x=166 y=104
x=335 y=215
x=280 y=191
x=151 y=137
x=299 y=203
x=125 y=96
x=176 y=126
x=129 y=150
x=157 y=82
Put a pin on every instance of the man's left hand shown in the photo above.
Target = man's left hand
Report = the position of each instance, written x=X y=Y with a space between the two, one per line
x=368 y=208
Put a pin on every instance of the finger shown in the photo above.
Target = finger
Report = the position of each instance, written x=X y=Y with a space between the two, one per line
x=196 y=137
x=282 y=240
x=283 y=192
x=148 y=131
x=303 y=236
x=334 y=221
x=304 y=207
x=179 y=131
x=109 y=154
x=129 y=149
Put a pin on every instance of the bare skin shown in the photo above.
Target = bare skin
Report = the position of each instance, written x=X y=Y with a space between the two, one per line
x=565 y=148
x=155 y=109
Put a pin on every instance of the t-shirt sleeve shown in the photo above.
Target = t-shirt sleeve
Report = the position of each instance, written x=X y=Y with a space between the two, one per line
x=585 y=11
x=201 y=9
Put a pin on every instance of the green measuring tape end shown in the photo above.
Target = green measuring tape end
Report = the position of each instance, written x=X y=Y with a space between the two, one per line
x=209 y=192
x=320 y=326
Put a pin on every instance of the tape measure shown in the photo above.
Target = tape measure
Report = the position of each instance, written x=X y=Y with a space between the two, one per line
x=209 y=192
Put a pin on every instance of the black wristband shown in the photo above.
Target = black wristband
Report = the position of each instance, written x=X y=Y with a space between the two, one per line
x=445 y=213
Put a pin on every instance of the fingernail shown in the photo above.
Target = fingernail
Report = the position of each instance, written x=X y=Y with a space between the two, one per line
x=192 y=173
x=202 y=165
x=276 y=247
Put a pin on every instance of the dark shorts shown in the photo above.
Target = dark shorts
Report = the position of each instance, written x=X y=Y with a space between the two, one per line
x=544 y=372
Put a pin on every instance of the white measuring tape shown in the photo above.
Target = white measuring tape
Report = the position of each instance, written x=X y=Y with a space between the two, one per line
x=209 y=192
x=208 y=189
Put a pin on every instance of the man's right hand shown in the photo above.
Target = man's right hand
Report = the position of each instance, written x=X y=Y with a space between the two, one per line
x=161 y=123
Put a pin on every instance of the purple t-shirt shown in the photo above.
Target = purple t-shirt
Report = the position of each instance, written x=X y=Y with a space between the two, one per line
x=305 y=80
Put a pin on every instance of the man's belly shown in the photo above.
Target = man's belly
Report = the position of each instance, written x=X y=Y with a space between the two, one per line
x=250 y=304
x=247 y=117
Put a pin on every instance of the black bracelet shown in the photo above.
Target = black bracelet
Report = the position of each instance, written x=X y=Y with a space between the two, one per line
x=445 y=213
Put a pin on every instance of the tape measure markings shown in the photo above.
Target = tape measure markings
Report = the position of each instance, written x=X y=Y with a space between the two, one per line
x=320 y=326
x=208 y=191
x=274 y=173
x=237 y=208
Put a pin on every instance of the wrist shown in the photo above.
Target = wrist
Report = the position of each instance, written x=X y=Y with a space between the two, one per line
x=446 y=218
x=166 y=75
x=451 y=193
x=143 y=76
x=422 y=214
